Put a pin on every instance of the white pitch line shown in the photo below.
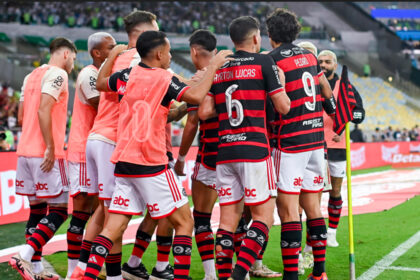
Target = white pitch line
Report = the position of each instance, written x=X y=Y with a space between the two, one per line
x=403 y=268
x=386 y=261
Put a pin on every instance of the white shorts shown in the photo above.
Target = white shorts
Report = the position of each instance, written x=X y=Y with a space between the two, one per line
x=32 y=181
x=62 y=198
x=254 y=180
x=204 y=175
x=327 y=178
x=100 y=169
x=79 y=180
x=301 y=172
x=161 y=195
x=337 y=168
x=276 y=155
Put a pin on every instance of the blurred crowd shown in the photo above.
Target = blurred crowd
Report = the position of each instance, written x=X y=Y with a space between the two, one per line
x=398 y=134
x=173 y=16
x=9 y=105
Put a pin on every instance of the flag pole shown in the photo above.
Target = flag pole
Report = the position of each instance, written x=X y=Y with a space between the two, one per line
x=350 y=207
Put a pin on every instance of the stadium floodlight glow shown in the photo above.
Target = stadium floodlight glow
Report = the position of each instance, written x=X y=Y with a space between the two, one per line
x=332 y=39
x=390 y=79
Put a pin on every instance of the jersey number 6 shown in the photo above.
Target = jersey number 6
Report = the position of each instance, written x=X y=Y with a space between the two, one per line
x=234 y=103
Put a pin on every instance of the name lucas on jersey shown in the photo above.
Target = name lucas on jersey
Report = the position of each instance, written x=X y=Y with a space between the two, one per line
x=236 y=74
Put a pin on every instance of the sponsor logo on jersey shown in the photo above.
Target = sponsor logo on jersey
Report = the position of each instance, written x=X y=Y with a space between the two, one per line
x=286 y=53
x=297 y=50
x=58 y=82
x=314 y=122
x=233 y=138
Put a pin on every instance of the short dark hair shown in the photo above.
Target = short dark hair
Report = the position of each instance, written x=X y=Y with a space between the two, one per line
x=283 y=26
x=241 y=27
x=203 y=38
x=148 y=41
x=61 y=42
x=136 y=17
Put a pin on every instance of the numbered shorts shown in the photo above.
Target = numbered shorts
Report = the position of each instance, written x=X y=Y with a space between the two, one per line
x=79 y=180
x=204 y=175
x=160 y=194
x=337 y=168
x=301 y=172
x=32 y=181
x=100 y=169
x=252 y=180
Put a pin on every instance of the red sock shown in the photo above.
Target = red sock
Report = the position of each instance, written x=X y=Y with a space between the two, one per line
x=113 y=264
x=37 y=212
x=224 y=253
x=250 y=249
x=291 y=236
x=239 y=235
x=182 y=256
x=163 y=244
x=75 y=233
x=100 y=249
x=47 y=227
x=334 y=211
x=141 y=244
x=204 y=235
x=319 y=242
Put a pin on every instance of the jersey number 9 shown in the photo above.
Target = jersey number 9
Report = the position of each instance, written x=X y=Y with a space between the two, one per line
x=310 y=90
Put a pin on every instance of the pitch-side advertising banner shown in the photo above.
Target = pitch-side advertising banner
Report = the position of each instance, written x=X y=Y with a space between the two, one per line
x=15 y=208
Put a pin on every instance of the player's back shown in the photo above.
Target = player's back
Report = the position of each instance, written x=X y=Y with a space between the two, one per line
x=302 y=128
x=240 y=89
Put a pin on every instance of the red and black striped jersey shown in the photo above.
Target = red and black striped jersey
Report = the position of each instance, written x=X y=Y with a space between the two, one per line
x=302 y=129
x=209 y=140
x=240 y=90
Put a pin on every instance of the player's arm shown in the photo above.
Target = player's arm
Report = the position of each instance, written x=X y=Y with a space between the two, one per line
x=274 y=80
x=88 y=86
x=281 y=102
x=196 y=93
x=45 y=123
x=328 y=103
x=20 y=114
x=190 y=130
x=177 y=112
x=207 y=108
x=106 y=68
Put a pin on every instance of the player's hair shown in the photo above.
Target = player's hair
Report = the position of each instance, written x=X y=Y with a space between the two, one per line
x=61 y=42
x=203 y=38
x=283 y=26
x=330 y=53
x=309 y=46
x=148 y=41
x=95 y=40
x=137 y=17
x=241 y=28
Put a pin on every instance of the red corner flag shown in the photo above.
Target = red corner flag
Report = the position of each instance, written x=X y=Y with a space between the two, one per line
x=345 y=103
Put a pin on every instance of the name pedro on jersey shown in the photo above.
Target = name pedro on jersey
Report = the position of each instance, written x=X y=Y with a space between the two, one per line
x=235 y=74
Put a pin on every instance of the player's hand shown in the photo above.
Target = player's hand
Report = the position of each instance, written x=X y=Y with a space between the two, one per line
x=336 y=138
x=221 y=57
x=179 y=168
x=118 y=49
x=49 y=159
x=198 y=75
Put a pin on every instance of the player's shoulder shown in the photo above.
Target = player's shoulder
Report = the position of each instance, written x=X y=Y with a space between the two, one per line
x=57 y=72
